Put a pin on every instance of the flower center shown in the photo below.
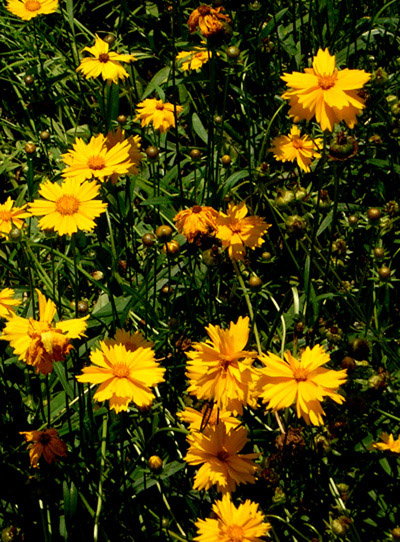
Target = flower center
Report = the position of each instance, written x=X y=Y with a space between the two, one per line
x=301 y=374
x=120 y=370
x=204 y=9
x=104 y=57
x=160 y=107
x=225 y=361
x=32 y=5
x=327 y=81
x=196 y=209
x=235 y=226
x=96 y=162
x=44 y=439
x=234 y=533
x=5 y=215
x=223 y=455
x=297 y=143
x=67 y=205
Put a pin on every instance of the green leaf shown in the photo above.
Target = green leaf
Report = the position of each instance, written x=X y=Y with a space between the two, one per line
x=159 y=78
x=199 y=128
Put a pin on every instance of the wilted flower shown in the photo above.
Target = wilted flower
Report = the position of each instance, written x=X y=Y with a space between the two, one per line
x=44 y=443
x=209 y=20
x=196 y=221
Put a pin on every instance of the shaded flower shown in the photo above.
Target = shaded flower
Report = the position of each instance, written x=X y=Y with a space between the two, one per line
x=11 y=217
x=196 y=221
x=210 y=20
x=29 y=9
x=237 y=231
x=207 y=418
x=134 y=154
x=193 y=60
x=40 y=343
x=104 y=63
x=218 y=454
x=7 y=303
x=44 y=443
x=124 y=376
x=325 y=92
x=68 y=207
x=295 y=147
x=284 y=381
x=98 y=160
x=231 y=524
x=131 y=341
x=220 y=370
x=388 y=444
x=158 y=113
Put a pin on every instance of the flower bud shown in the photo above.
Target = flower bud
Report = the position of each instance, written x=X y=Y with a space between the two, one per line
x=155 y=462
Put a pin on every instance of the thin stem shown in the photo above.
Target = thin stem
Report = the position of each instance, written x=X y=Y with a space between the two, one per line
x=101 y=479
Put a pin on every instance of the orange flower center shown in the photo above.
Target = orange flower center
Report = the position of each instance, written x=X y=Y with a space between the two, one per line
x=234 y=533
x=67 y=205
x=104 y=57
x=297 y=143
x=32 y=5
x=235 y=227
x=5 y=215
x=160 y=107
x=224 y=361
x=96 y=162
x=223 y=455
x=301 y=374
x=327 y=81
x=120 y=370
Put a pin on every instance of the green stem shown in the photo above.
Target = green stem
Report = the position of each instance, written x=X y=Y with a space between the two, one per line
x=101 y=480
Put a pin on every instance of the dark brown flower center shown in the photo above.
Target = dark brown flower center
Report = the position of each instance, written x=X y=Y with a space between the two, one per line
x=196 y=209
x=204 y=9
x=223 y=455
x=104 y=57
x=44 y=439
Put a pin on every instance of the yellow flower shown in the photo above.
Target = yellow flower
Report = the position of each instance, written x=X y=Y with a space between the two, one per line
x=306 y=382
x=325 y=92
x=40 y=343
x=96 y=160
x=131 y=341
x=29 y=9
x=295 y=147
x=231 y=524
x=196 y=221
x=7 y=303
x=388 y=444
x=207 y=418
x=104 y=63
x=44 y=443
x=133 y=150
x=237 y=231
x=193 y=60
x=220 y=370
x=11 y=216
x=209 y=20
x=158 y=113
x=218 y=454
x=124 y=376
x=68 y=207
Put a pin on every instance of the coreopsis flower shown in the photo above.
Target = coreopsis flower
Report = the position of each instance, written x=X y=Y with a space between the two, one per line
x=305 y=382
x=156 y=112
x=29 y=9
x=96 y=160
x=238 y=231
x=207 y=418
x=7 y=303
x=124 y=376
x=324 y=91
x=11 y=217
x=231 y=524
x=134 y=154
x=131 y=341
x=46 y=443
x=220 y=370
x=210 y=20
x=68 y=207
x=221 y=463
x=296 y=147
x=193 y=60
x=104 y=63
x=196 y=221
x=40 y=343
x=388 y=444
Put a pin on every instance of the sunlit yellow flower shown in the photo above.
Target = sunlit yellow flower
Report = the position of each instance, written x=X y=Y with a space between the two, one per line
x=295 y=147
x=193 y=60
x=388 y=444
x=207 y=418
x=284 y=381
x=68 y=207
x=158 y=113
x=238 y=231
x=124 y=376
x=11 y=216
x=220 y=369
x=209 y=20
x=44 y=443
x=40 y=343
x=131 y=341
x=134 y=154
x=96 y=160
x=7 y=303
x=325 y=92
x=231 y=524
x=29 y=9
x=196 y=221
x=218 y=454
x=104 y=62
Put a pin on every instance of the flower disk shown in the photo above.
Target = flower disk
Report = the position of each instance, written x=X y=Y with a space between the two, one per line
x=29 y=9
x=124 y=376
x=295 y=147
x=158 y=113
